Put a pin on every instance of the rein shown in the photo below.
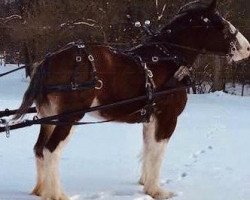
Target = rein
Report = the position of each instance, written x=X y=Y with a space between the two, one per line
x=11 y=71
x=199 y=51
x=8 y=112
x=58 y=119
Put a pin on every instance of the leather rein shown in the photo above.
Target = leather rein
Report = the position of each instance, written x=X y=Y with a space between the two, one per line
x=58 y=119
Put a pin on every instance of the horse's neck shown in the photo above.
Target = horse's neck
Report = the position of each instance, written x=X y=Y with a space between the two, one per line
x=173 y=38
x=147 y=51
x=188 y=55
x=176 y=47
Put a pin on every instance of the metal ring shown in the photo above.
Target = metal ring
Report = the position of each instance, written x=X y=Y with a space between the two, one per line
x=91 y=58
x=100 y=85
x=147 y=85
x=155 y=59
x=78 y=58
x=150 y=74
x=7 y=129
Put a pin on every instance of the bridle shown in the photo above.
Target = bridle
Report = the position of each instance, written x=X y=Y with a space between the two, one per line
x=229 y=35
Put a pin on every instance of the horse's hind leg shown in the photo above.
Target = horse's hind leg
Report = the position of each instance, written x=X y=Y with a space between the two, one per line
x=45 y=132
x=153 y=152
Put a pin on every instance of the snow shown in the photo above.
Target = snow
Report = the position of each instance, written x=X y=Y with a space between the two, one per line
x=208 y=157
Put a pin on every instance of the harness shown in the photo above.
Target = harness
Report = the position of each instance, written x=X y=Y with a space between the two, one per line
x=150 y=86
x=93 y=82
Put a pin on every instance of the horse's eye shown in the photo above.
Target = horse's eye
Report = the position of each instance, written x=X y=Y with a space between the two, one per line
x=233 y=49
x=248 y=48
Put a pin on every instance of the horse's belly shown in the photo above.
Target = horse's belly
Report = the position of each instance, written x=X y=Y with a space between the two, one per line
x=123 y=113
x=96 y=114
x=131 y=113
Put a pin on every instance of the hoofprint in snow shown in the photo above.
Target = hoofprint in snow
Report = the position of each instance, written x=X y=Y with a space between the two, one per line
x=208 y=158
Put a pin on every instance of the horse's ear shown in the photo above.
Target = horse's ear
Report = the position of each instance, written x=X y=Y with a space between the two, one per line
x=212 y=5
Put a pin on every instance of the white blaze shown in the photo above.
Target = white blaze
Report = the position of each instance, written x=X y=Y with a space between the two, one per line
x=241 y=48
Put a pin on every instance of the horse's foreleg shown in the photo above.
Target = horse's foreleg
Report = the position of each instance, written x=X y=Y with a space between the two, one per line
x=45 y=132
x=52 y=151
x=153 y=152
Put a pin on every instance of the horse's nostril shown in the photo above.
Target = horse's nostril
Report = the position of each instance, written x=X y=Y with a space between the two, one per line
x=233 y=49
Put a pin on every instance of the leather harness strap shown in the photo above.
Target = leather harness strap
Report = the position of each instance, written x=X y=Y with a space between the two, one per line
x=74 y=85
x=150 y=87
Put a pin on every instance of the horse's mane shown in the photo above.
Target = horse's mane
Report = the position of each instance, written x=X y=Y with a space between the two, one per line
x=194 y=6
x=62 y=49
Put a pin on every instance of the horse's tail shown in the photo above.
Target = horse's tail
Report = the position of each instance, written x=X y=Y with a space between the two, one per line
x=34 y=91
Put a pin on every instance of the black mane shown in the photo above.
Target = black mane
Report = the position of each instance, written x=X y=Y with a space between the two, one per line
x=194 y=6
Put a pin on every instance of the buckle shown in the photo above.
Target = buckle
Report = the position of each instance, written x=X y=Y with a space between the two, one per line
x=74 y=86
x=6 y=127
x=91 y=58
x=150 y=73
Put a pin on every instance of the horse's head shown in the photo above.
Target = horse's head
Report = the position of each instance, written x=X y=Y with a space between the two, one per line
x=200 y=27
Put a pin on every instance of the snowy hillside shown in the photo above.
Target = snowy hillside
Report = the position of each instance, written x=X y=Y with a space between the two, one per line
x=208 y=157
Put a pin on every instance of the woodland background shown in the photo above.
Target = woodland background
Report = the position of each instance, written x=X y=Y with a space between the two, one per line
x=32 y=28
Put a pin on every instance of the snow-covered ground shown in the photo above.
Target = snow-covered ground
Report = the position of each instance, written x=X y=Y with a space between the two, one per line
x=208 y=157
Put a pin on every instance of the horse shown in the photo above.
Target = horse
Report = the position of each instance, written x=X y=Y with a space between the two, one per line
x=82 y=76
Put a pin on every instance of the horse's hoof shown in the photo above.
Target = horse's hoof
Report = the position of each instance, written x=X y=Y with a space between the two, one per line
x=37 y=191
x=159 y=194
x=64 y=197
x=61 y=197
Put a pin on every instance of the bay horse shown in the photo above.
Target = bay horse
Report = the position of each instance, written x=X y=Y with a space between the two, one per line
x=196 y=28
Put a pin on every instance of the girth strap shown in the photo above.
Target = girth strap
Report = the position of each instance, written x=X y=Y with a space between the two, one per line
x=150 y=86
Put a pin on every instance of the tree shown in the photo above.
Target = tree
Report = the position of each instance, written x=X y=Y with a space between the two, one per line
x=48 y=25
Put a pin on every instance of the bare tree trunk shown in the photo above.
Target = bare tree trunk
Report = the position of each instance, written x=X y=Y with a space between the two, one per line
x=218 y=74
x=27 y=61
